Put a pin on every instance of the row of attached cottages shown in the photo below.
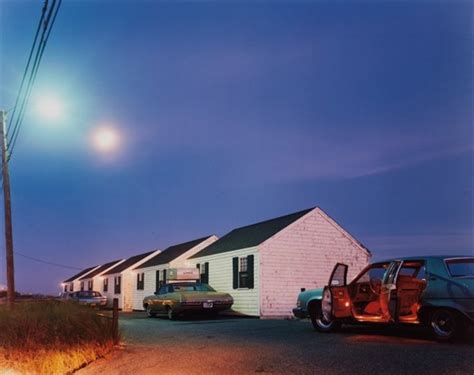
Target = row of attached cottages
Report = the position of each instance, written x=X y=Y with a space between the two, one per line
x=263 y=266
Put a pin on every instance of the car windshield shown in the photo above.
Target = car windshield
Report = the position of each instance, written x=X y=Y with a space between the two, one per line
x=190 y=287
x=461 y=267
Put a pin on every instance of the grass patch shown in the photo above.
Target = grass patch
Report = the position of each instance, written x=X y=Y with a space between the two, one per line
x=51 y=337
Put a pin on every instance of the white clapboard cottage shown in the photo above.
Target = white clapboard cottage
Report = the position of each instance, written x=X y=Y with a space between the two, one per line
x=264 y=265
x=151 y=274
x=93 y=280
x=120 y=281
x=73 y=284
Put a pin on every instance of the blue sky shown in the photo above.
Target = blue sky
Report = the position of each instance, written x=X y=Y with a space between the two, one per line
x=235 y=112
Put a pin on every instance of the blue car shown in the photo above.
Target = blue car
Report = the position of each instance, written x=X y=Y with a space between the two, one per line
x=435 y=291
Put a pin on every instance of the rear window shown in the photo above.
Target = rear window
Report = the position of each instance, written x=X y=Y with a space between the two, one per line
x=461 y=267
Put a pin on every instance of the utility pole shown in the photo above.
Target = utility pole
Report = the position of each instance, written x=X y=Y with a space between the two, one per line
x=8 y=212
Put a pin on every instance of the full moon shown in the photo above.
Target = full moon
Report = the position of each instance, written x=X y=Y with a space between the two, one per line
x=50 y=108
x=106 y=139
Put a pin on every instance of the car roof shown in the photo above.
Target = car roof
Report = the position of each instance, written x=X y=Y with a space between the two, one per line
x=425 y=257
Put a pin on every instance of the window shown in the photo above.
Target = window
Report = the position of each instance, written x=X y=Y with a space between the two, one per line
x=71 y=287
x=413 y=269
x=82 y=286
x=189 y=287
x=375 y=273
x=90 y=285
x=106 y=284
x=117 y=284
x=243 y=272
x=140 y=281
x=163 y=290
x=65 y=287
x=460 y=267
x=243 y=275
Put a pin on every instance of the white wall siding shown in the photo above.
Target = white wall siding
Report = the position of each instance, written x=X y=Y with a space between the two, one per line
x=110 y=294
x=303 y=255
x=246 y=301
x=129 y=286
x=149 y=284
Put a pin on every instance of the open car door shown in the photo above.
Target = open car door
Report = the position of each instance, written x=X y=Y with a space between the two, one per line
x=388 y=292
x=336 y=302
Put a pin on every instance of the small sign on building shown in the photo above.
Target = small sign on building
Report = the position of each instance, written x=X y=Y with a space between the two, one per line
x=181 y=274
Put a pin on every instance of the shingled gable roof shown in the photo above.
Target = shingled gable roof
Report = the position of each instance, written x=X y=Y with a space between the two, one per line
x=82 y=273
x=250 y=235
x=128 y=263
x=171 y=253
x=101 y=269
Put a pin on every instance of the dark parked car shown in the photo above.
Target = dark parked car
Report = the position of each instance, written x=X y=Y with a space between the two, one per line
x=186 y=297
x=436 y=291
x=89 y=298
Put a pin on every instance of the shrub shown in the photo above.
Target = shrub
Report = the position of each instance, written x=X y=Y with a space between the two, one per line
x=50 y=324
x=41 y=335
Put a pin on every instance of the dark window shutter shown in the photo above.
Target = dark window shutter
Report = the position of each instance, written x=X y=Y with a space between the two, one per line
x=235 y=272
x=206 y=273
x=164 y=276
x=138 y=281
x=157 y=282
x=198 y=266
x=250 y=271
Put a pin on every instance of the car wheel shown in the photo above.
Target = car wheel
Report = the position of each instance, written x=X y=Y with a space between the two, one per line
x=149 y=312
x=446 y=324
x=320 y=323
x=171 y=314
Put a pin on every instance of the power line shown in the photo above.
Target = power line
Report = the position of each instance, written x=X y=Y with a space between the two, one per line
x=33 y=47
x=47 y=262
x=32 y=76
x=34 y=71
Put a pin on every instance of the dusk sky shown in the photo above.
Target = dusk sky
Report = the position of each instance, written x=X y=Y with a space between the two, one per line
x=231 y=113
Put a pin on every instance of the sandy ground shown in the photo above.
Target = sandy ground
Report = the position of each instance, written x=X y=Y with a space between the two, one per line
x=248 y=346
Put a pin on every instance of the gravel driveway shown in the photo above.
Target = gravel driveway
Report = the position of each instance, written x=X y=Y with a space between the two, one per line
x=247 y=346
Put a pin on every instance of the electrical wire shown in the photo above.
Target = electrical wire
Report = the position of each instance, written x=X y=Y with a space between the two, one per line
x=33 y=47
x=26 y=97
x=47 y=262
x=52 y=14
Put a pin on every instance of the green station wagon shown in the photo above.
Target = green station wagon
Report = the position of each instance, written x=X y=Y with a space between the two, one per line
x=436 y=291
x=178 y=298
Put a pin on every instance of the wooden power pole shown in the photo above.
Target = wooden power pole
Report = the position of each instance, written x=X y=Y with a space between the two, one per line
x=8 y=213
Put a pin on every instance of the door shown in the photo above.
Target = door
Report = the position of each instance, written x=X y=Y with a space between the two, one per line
x=388 y=292
x=336 y=301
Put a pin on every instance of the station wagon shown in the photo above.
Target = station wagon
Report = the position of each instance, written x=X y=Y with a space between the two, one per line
x=434 y=291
